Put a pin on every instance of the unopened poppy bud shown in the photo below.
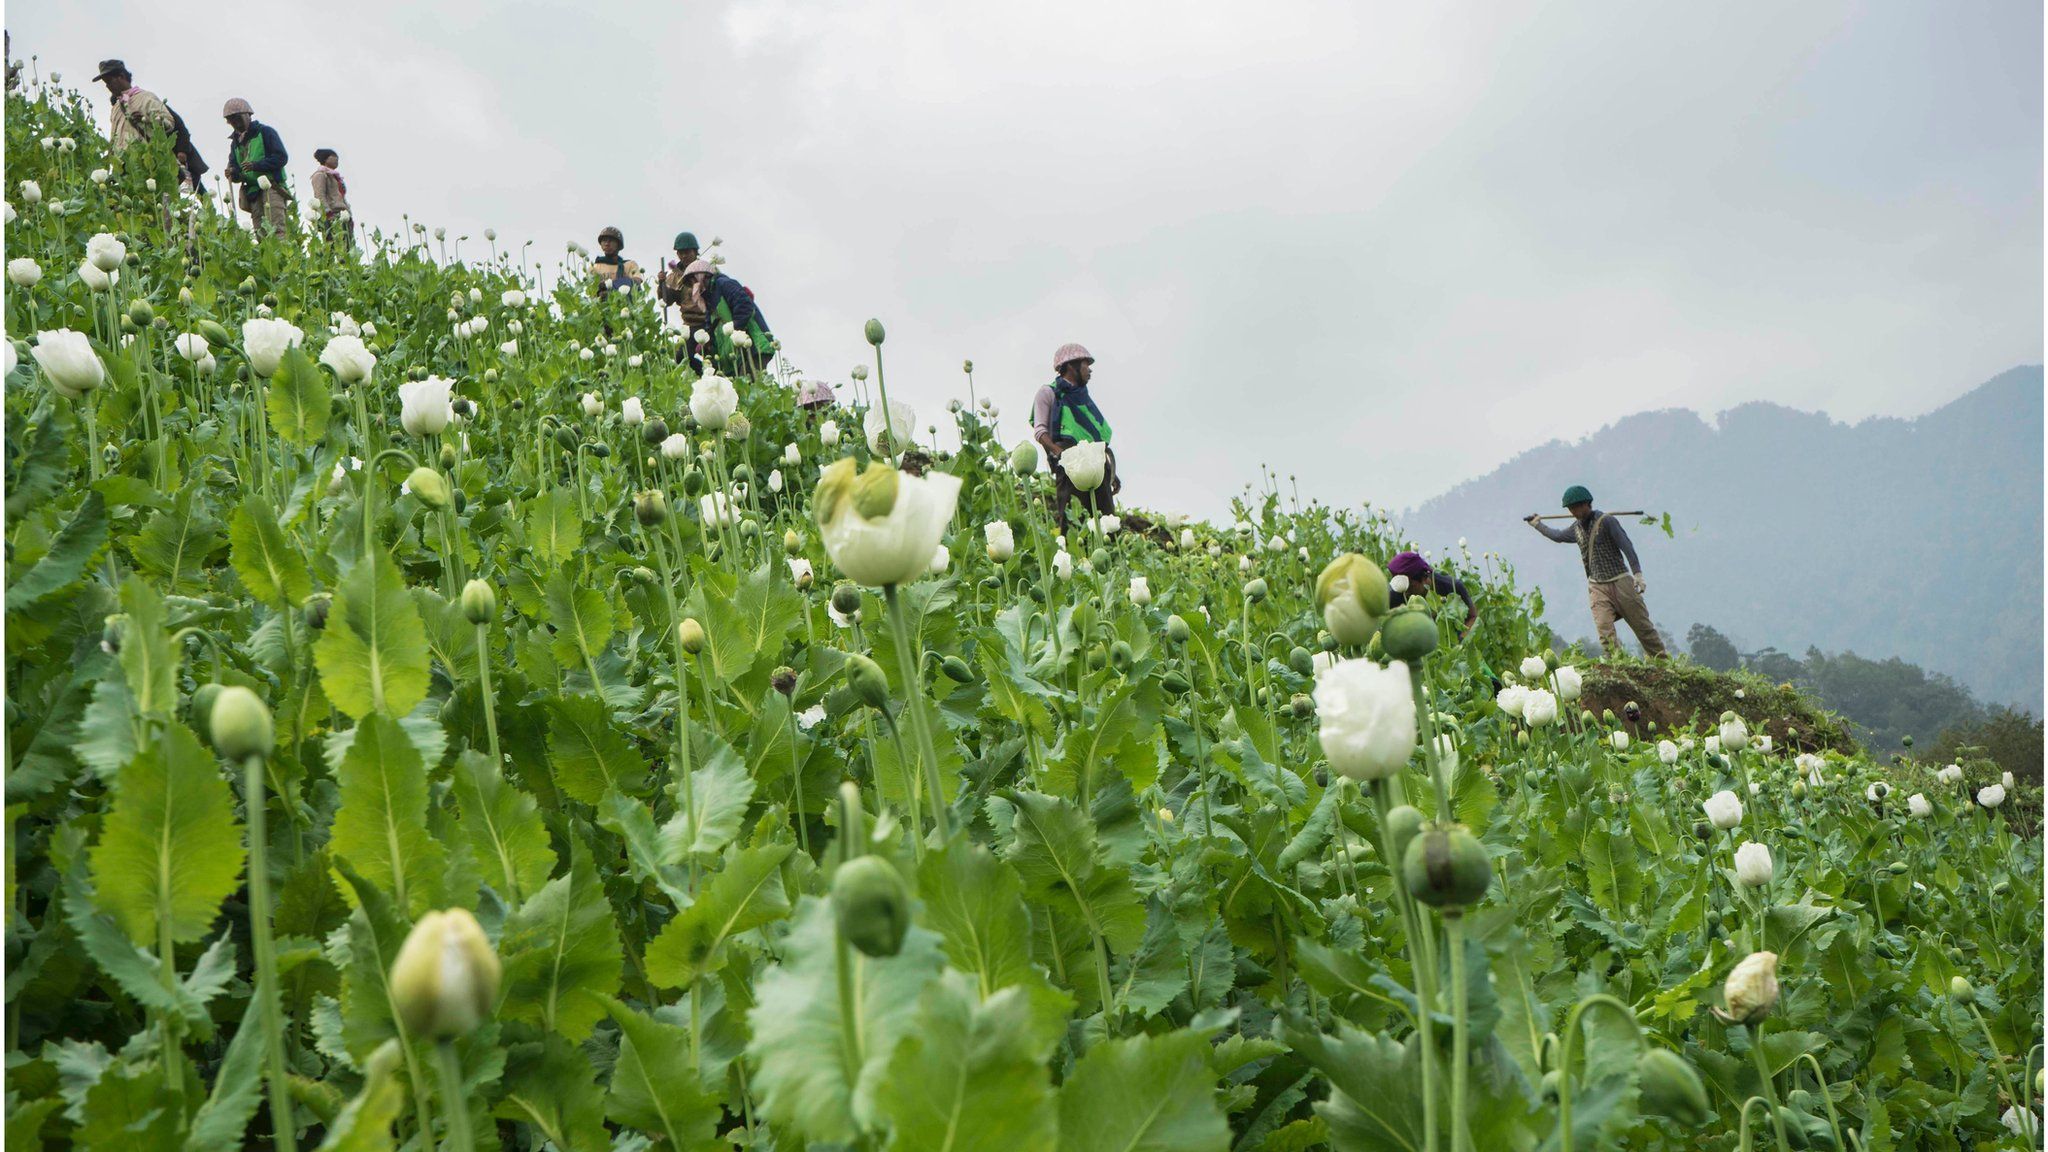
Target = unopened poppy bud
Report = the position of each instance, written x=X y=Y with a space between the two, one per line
x=240 y=724
x=791 y=542
x=1409 y=634
x=1404 y=823
x=644 y=575
x=956 y=669
x=865 y=677
x=203 y=699
x=875 y=333
x=650 y=507
x=1175 y=684
x=1752 y=988
x=1121 y=655
x=871 y=905
x=784 y=680
x=691 y=634
x=1255 y=589
x=447 y=455
x=430 y=487
x=1301 y=706
x=479 y=602
x=1177 y=629
x=1446 y=867
x=654 y=431
x=141 y=312
x=845 y=598
x=1671 y=1088
x=1303 y=663
x=694 y=483
x=445 y=979
x=1961 y=990
x=316 y=610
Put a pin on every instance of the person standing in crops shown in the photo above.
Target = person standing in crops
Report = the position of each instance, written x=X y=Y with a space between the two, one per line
x=256 y=159
x=1063 y=414
x=137 y=114
x=670 y=290
x=614 y=272
x=330 y=192
x=722 y=306
x=1614 y=577
x=1423 y=579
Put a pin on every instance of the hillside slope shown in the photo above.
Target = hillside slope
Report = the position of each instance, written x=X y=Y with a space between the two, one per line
x=1914 y=538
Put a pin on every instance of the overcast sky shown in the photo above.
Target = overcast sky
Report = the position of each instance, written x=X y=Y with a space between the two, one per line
x=1382 y=247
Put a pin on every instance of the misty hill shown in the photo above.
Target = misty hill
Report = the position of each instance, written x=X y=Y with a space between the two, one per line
x=1920 y=539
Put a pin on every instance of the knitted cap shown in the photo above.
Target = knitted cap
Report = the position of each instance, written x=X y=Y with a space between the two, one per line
x=1069 y=353
x=1577 y=494
x=237 y=107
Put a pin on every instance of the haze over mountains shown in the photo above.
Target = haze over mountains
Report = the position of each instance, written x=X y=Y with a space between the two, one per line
x=1917 y=538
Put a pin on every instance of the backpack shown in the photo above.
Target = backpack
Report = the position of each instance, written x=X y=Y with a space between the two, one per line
x=195 y=163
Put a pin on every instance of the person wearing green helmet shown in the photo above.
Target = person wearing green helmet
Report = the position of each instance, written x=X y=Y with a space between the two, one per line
x=670 y=289
x=1614 y=576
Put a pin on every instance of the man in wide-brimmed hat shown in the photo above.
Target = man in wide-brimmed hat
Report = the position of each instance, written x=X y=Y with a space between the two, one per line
x=1614 y=577
x=137 y=114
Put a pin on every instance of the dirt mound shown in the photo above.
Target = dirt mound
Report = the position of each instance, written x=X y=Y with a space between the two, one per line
x=1677 y=695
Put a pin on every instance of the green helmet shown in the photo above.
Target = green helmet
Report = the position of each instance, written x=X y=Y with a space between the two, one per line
x=1577 y=494
x=685 y=242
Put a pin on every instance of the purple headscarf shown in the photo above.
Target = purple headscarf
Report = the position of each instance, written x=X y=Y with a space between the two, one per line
x=1409 y=564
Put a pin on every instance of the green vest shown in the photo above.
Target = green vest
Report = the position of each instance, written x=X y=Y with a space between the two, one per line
x=1077 y=422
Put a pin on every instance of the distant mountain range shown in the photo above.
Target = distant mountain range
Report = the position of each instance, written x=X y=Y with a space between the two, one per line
x=1920 y=539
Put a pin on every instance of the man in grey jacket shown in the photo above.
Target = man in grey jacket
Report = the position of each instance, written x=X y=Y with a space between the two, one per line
x=1614 y=577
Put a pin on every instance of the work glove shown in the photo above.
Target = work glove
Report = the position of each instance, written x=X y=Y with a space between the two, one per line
x=1639 y=584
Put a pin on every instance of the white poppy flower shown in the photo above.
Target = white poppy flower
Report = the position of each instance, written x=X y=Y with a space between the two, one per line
x=1724 y=809
x=68 y=360
x=901 y=417
x=881 y=527
x=265 y=342
x=24 y=272
x=106 y=252
x=423 y=405
x=713 y=400
x=1753 y=867
x=1085 y=464
x=350 y=358
x=1002 y=542
x=1366 y=715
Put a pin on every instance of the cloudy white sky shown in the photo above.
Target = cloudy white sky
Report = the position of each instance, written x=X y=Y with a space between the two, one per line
x=1382 y=247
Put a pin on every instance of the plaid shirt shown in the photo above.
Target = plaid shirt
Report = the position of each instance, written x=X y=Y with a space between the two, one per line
x=136 y=115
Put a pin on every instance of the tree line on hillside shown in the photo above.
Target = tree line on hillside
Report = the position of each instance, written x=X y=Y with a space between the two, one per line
x=1887 y=701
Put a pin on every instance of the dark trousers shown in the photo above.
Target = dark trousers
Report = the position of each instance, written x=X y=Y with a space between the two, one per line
x=1101 y=502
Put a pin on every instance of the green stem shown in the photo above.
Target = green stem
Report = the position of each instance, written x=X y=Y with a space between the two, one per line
x=1461 y=1131
x=1420 y=965
x=1763 y=1071
x=483 y=668
x=1572 y=1035
x=913 y=693
x=276 y=1072
x=459 y=1138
